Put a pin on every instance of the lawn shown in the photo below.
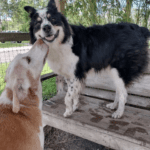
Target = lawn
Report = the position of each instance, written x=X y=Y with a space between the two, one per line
x=48 y=86
x=10 y=44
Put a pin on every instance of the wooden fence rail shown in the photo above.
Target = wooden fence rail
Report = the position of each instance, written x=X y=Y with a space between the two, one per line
x=14 y=37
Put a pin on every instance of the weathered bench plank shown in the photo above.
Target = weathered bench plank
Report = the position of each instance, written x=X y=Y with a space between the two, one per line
x=110 y=95
x=93 y=122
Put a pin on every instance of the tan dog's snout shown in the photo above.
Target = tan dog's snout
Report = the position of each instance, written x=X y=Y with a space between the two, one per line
x=43 y=47
x=41 y=44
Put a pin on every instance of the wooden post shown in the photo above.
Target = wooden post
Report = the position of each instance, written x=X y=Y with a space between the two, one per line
x=60 y=4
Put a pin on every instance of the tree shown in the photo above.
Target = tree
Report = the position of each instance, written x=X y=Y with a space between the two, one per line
x=86 y=12
x=19 y=17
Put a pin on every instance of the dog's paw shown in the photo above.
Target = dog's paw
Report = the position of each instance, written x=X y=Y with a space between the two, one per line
x=111 y=106
x=67 y=113
x=117 y=114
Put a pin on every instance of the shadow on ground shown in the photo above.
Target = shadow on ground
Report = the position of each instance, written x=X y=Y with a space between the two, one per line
x=59 y=140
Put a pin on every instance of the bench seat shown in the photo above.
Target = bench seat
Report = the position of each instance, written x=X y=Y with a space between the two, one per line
x=93 y=120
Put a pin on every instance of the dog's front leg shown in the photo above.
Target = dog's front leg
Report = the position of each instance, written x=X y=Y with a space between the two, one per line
x=72 y=96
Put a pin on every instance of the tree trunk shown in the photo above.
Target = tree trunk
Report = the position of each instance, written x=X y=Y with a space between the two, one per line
x=138 y=15
x=128 y=10
x=62 y=6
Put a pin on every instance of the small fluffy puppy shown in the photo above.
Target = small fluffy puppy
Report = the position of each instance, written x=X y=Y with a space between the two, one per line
x=21 y=125
x=121 y=49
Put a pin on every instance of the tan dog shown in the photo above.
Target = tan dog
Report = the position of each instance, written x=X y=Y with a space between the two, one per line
x=21 y=125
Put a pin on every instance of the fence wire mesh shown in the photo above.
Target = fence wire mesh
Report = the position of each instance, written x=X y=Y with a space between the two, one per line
x=8 y=51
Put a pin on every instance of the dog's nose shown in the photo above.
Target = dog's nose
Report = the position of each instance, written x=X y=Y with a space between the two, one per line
x=47 y=28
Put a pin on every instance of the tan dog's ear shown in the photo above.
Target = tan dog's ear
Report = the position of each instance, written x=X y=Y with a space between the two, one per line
x=19 y=94
x=16 y=105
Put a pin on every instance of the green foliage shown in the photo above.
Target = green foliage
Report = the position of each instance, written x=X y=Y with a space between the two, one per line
x=9 y=44
x=3 y=28
x=82 y=12
x=49 y=88
x=85 y=12
x=19 y=17
x=89 y=12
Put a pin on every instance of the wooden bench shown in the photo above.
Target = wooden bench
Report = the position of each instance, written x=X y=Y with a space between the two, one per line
x=93 y=120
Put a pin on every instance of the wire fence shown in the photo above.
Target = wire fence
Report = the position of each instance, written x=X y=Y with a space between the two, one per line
x=12 y=45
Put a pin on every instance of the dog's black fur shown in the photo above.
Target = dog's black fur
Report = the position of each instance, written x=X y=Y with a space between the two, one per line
x=122 y=46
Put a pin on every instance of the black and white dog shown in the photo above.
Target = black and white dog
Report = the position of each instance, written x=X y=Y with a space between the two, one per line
x=75 y=50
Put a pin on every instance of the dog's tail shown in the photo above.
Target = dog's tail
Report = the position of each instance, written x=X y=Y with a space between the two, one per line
x=145 y=32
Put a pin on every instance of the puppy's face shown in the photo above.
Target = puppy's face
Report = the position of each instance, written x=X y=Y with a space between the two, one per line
x=45 y=23
x=23 y=73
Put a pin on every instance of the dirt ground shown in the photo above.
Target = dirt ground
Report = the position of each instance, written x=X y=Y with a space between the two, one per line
x=59 y=140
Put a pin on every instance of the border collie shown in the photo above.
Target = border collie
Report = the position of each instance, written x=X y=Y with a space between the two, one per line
x=75 y=50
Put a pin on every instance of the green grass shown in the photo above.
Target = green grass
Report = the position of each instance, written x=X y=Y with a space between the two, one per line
x=10 y=44
x=48 y=86
x=3 y=67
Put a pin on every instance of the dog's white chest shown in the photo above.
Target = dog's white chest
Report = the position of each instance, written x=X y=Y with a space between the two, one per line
x=62 y=60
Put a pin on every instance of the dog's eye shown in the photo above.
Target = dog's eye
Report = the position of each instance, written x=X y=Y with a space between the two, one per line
x=38 y=23
x=28 y=59
x=48 y=15
x=39 y=19
x=53 y=20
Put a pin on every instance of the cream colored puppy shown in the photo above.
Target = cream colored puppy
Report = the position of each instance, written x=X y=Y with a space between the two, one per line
x=21 y=125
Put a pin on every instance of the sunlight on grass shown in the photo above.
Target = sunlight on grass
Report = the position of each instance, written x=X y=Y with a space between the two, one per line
x=10 y=44
x=49 y=88
x=46 y=69
x=3 y=67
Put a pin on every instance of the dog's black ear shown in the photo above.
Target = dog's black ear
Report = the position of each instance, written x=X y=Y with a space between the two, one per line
x=32 y=36
x=52 y=5
x=30 y=10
